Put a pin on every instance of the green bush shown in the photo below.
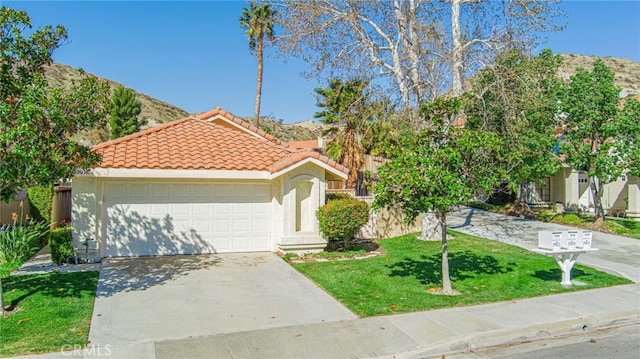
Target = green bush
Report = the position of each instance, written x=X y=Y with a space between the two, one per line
x=41 y=199
x=61 y=245
x=334 y=196
x=21 y=241
x=340 y=219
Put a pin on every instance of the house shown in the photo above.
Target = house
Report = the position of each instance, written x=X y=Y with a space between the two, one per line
x=202 y=184
x=570 y=188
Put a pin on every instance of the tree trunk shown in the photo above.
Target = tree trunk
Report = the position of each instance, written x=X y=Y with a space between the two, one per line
x=523 y=191
x=457 y=48
x=596 y=191
x=446 y=280
x=259 y=86
x=431 y=227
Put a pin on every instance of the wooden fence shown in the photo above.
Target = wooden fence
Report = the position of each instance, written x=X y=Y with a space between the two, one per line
x=18 y=205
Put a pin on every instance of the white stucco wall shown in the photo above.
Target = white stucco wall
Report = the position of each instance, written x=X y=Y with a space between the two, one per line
x=308 y=239
x=89 y=212
x=86 y=197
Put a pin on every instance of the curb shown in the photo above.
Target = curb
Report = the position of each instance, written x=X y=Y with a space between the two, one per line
x=520 y=335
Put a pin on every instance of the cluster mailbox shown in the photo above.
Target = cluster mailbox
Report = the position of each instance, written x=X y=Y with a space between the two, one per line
x=557 y=240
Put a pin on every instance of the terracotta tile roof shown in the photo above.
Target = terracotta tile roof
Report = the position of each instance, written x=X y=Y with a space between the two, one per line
x=304 y=144
x=238 y=121
x=198 y=143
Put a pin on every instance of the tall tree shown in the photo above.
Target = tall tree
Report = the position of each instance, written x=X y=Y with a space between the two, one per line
x=408 y=43
x=413 y=44
x=517 y=98
x=491 y=27
x=434 y=172
x=347 y=106
x=37 y=122
x=258 y=22
x=125 y=109
x=600 y=136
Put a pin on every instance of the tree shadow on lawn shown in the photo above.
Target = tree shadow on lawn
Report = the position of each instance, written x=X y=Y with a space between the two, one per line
x=555 y=274
x=58 y=285
x=462 y=265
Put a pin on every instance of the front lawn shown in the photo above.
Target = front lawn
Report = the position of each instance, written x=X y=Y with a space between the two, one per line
x=54 y=312
x=483 y=271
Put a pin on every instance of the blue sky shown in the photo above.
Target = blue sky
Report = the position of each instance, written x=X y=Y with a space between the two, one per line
x=194 y=55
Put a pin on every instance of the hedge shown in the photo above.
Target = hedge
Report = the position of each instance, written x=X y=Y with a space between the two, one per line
x=61 y=244
x=41 y=199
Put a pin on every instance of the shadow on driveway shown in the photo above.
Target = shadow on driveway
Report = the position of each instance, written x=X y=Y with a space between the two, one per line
x=139 y=274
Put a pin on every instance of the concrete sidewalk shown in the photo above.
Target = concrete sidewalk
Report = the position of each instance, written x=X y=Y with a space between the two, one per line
x=413 y=335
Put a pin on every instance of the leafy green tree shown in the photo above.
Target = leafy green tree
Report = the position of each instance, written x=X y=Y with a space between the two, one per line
x=343 y=104
x=436 y=172
x=517 y=98
x=258 y=22
x=357 y=121
x=125 y=109
x=36 y=122
x=599 y=136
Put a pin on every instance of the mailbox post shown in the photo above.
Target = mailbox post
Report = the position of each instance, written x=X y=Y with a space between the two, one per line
x=565 y=258
x=565 y=247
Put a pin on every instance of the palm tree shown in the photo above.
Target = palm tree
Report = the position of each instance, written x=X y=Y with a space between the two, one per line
x=347 y=106
x=258 y=22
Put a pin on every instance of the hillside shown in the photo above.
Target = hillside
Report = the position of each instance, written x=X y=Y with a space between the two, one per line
x=157 y=112
x=154 y=110
x=627 y=71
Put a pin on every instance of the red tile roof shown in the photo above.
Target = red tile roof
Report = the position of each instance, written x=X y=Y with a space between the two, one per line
x=198 y=143
x=304 y=144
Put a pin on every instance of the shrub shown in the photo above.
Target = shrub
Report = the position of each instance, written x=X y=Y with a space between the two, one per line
x=334 y=196
x=61 y=244
x=21 y=241
x=340 y=219
x=41 y=199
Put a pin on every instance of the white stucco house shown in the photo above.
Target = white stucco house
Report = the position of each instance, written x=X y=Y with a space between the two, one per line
x=202 y=184
x=570 y=188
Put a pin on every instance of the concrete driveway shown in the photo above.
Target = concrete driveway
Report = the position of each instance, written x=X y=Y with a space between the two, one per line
x=156 y=298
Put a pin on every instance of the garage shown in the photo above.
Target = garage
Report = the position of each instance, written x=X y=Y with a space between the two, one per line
x=186 y=218
x=202 y=184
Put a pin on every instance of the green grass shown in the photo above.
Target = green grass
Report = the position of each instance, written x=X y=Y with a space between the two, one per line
x=6 y=268
x=54 y=312
x=625 y=227
x=483 y=271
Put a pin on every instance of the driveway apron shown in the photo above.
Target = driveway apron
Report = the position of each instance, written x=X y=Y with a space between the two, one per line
x=171 y=297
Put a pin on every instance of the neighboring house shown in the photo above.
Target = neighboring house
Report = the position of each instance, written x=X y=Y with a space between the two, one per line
x=570 y=188
x=203 y=184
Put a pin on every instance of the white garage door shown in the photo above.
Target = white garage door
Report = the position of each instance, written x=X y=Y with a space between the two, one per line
x=160 y=219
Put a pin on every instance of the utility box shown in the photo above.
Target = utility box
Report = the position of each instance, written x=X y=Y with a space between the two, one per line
x=585 y=239
x=570 y=239
x=551 y=240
